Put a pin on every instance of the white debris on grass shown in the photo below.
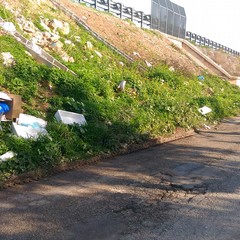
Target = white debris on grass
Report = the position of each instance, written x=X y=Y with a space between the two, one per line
x=204 y=110
x=7 y=156
x=148 y=63
x=121 y=86
x=98 y=53
x=70 y=118
x=206 y=126
x=136 y=54
x=28 y=126
x=89 y=45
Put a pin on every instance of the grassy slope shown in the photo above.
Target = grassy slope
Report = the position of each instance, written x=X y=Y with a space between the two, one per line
x=154 y=102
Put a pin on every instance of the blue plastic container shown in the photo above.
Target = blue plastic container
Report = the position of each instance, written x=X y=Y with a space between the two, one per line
x=4 y=108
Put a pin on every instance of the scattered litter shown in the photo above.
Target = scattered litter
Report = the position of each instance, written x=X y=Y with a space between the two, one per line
x=206 y=126
x=172 y=69
x=27 y=131
x=4 y=108
x=28 y=126
x=4 y=96
x=8 y=26
x=204 y=110
x=8 y=59
x=70 y=118
x=28 y=120
x=78 y=39
x=148 y=63
x=136 y=54
x=6 y=156
x=98 y=53
x=89 y=45
x=121 y=63
x=121 y=86
x=201 y=78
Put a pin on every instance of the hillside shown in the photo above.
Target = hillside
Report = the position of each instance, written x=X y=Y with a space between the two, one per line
x=156 y=102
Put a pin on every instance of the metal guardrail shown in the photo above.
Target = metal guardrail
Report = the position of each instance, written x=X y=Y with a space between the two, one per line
x=202 y=41
x=120 y=10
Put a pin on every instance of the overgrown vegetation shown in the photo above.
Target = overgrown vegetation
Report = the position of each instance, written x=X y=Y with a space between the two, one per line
x=154 y=103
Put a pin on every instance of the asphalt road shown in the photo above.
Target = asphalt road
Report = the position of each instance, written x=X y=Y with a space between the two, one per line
x=186 y=189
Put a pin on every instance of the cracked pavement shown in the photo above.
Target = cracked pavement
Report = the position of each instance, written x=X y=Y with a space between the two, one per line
x=185 y=189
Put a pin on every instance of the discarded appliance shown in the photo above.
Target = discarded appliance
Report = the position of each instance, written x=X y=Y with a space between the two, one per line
x=204 y=110
x=70 y=118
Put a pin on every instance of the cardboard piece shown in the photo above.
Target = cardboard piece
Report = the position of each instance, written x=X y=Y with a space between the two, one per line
x=15 y=105
x=70 y=117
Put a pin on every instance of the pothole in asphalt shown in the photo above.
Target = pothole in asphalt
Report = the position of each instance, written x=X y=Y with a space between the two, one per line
x=194 y=176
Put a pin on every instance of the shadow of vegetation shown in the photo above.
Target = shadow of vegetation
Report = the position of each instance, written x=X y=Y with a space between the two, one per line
x=123 y=195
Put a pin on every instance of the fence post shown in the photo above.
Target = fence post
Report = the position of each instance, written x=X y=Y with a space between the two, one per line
x=120 y=6
x=108 y=4
x=131 y=14
x=141 y=13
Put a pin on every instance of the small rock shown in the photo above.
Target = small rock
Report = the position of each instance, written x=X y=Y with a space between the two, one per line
x=65 y=29
x=55 y=24
x=8 y=59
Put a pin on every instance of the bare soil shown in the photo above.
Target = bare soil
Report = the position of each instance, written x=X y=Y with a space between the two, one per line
x=151 y=45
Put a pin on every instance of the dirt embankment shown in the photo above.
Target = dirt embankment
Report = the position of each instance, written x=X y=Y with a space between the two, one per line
x=140 y=44
x=145 y=45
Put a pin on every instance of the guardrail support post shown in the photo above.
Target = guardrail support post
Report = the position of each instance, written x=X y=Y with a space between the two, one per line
x=108 y=4
x=120 y=9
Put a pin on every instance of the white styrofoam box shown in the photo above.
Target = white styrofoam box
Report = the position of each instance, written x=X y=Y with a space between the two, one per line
x=204 y=110
x=28 y=120
x=27 y=131
x=70 y=117
x=6 y=156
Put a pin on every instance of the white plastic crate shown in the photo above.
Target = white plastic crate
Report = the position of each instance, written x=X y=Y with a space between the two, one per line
x=70 y=117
